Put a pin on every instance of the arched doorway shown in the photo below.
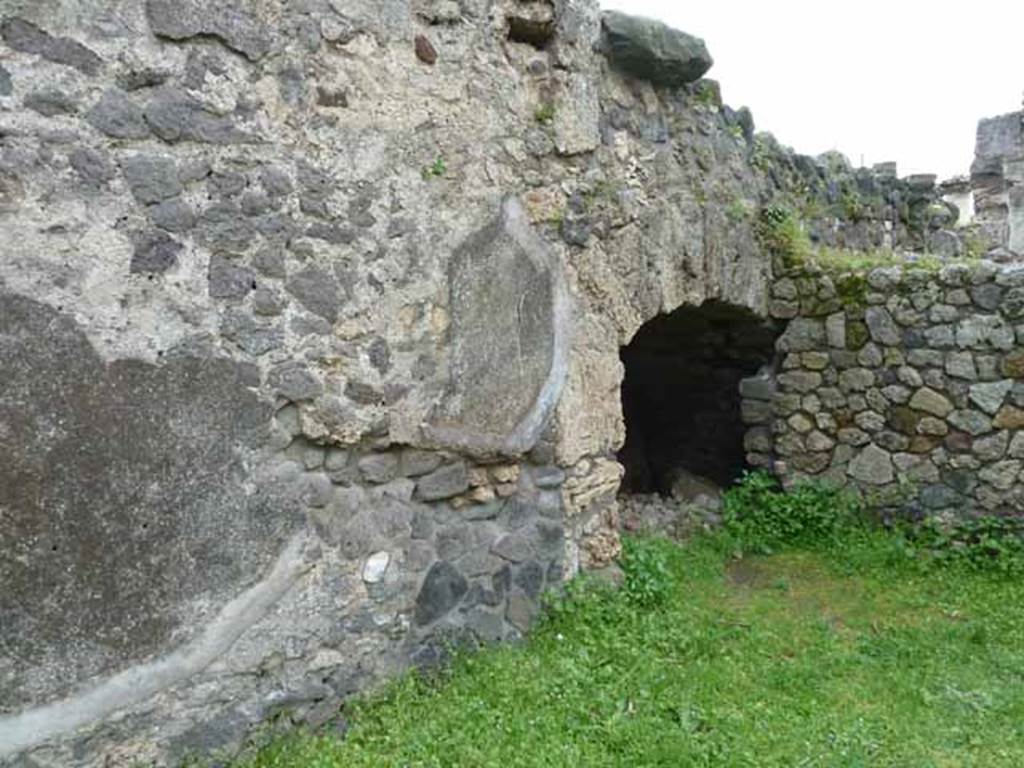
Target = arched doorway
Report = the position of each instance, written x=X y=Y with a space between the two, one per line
x=681 y=395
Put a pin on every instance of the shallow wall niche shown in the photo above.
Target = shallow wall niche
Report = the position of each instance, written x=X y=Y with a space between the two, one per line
x=680 y=395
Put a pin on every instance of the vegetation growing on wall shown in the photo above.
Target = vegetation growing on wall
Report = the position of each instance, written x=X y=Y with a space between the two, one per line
x=784 y=235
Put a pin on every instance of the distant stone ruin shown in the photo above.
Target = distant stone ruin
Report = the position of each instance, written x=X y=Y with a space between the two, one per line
x=997 y=181
x=314 y=323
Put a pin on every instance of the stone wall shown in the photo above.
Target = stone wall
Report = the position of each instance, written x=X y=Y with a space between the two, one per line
x=311 y=326
x=902 y=382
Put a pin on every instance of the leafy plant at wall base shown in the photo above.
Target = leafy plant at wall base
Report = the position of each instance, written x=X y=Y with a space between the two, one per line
x=648 y=578
x=762 y=518
x=987 y=543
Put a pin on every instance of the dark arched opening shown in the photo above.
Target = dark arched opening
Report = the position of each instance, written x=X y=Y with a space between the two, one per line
x=681 y=395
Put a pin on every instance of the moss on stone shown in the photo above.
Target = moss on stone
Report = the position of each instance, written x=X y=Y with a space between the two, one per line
x=852 y=289
x=1012 y=365
x=857 y=334
x=905 y=420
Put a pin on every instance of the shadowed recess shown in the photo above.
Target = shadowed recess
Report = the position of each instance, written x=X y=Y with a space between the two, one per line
x=681 y=398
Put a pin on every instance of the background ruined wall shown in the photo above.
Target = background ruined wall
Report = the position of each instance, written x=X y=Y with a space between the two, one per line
x=311 y=322
x=997 y=180
x=904 y=383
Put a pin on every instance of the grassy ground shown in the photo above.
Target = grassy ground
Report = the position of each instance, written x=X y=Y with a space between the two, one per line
x=850 y=655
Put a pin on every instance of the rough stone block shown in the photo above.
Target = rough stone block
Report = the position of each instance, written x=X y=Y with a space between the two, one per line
x=509 y=338
x=930 y=401
x=441 y=591
x=116 y=115
x=443 y=483
x=379 y=467
x=232 y=22
x=151 y=178
x=26 y=37
x=872 y=466
x=990 y=396
x=653 y=51
x=154 y=252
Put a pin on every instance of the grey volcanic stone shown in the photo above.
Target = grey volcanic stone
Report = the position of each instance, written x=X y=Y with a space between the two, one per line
x=151 y=178
x=317 y=291
x=294 y=382
x=514 y=547
x=116 y=115
x=972 y=422
x=530 y=578
x=379 y=468
x=379 y=354
x=271 y=262
x=961 y=365
x=799 y=381
x=6 y=86
x=416 y=463
x=653 y=51
x=761 y=387
x=443 y=483
x=881 y=326
x=521 y=611
x=940 y=497
x=987 y=296
x=276 y=181
x=174 y=215
x=222 y=226
x=872 y=466
x=228 y=279
x=990 y=396
x=316 y=490
x=982 y=331
x=230 y=21
x=442 y=590
x=175 y=115
x=548 y=477
x=92 y=167
x=155 y=252
x=803 y=335
x=227 y=183
x=26 y=37
x=1001 y=475
x=51 y=102
x=123 y=578
x=992 y=448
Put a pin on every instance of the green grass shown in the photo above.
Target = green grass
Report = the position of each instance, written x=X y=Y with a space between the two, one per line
x=842 y=653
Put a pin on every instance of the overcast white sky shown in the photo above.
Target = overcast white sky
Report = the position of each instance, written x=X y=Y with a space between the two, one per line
x=902 y=80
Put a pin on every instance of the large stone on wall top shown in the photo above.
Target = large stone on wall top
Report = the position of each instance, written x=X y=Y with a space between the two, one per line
x=510 y=325
x=654 y=51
